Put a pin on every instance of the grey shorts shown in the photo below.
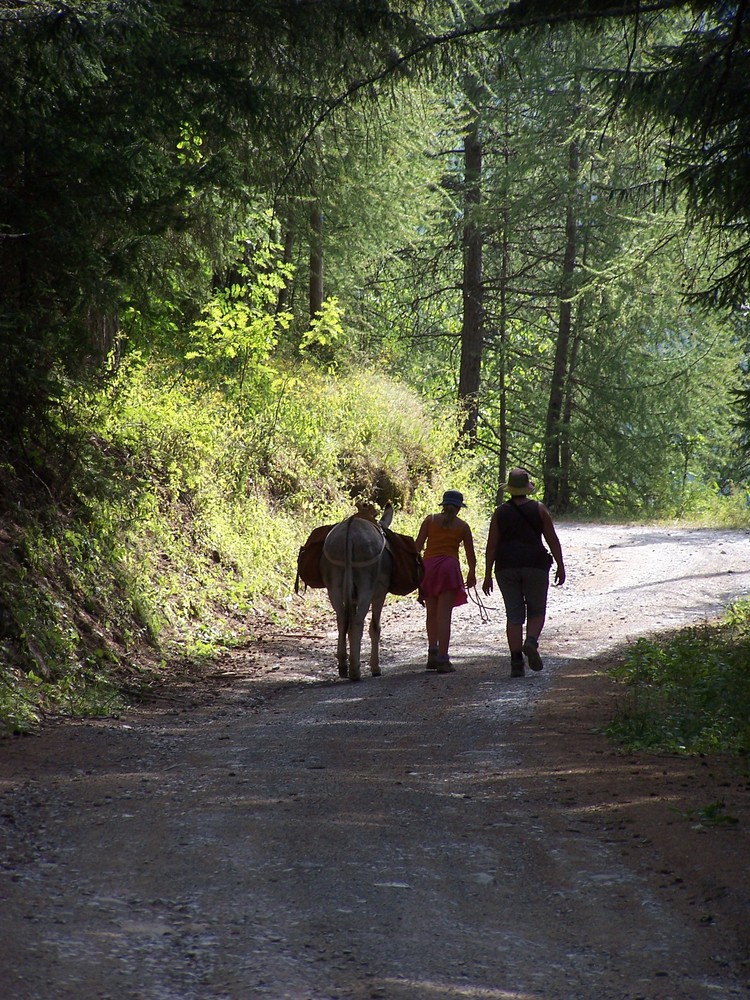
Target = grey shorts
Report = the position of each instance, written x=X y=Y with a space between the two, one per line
x=524 y=592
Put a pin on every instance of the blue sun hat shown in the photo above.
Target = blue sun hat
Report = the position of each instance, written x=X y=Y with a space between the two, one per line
x=452 y=498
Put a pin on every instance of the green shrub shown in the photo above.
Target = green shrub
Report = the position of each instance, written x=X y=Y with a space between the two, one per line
x=690 y=693
x=182 y=516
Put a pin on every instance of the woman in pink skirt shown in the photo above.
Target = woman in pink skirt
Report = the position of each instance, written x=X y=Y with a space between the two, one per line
x=443 y=586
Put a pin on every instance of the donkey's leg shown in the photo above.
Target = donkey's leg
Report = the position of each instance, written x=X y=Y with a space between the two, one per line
x=341 y=622
x=356 y=628
x=378 y=601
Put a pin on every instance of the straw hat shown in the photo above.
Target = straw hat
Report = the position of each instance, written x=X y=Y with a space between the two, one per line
x=519 y=484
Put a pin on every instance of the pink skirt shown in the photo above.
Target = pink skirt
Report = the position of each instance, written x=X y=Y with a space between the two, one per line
x=442 y=573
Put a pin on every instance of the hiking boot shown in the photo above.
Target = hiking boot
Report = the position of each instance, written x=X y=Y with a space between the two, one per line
x=432 y=658
x=517 y=668
x=530 y=648
x=444 y=666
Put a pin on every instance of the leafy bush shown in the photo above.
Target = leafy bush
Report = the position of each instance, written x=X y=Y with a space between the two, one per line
x=182 y=515
x=691 y=693
x=714 y=507
x=71 y=631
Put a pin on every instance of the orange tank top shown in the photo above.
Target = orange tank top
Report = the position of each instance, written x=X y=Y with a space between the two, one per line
x=442 y=541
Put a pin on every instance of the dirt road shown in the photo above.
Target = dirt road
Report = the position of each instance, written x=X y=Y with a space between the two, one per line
x=276 y=832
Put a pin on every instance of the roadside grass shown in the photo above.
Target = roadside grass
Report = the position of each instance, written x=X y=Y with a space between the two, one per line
x=689 y=694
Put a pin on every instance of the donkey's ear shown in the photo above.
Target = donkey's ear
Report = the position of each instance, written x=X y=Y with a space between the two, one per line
x=385 y=520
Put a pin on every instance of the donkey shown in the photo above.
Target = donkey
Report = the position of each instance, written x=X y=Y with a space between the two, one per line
x=356 y=566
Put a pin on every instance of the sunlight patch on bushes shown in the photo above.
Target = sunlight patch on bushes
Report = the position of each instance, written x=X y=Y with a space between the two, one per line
x=712 y=506
x=187 y=506
x=227 y=495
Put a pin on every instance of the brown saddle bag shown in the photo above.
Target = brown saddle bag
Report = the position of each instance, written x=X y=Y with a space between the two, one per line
x=408 y=568
x=308 y=560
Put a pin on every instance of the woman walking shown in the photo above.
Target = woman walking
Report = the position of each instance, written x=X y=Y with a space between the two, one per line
x=522 y=565
x=443 y=586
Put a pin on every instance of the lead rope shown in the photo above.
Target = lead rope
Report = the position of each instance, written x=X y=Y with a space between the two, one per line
x=483 y=612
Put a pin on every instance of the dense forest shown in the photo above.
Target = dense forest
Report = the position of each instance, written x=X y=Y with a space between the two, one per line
x=260 y=260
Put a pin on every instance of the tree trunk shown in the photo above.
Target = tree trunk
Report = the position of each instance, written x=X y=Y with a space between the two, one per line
x=578 y=328
x=284 y=299
x=472 y=330
x=316 y=261
x=554 y=432
x=502 y=431
x=562 y=501
x=103 y=330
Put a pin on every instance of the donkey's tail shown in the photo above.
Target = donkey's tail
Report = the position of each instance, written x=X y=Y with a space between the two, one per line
x=350 y=586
